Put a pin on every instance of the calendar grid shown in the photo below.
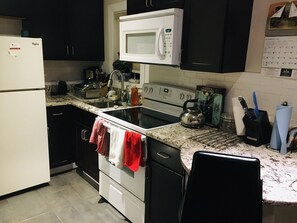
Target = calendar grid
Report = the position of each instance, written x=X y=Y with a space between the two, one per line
x=280 y=52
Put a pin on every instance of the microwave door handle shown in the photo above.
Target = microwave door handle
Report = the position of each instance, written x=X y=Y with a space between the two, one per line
x=160 y=35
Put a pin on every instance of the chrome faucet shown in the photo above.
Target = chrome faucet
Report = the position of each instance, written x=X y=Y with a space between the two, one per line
x=109 y=83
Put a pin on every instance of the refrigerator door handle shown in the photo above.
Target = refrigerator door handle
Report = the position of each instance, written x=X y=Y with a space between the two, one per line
x=58 y=114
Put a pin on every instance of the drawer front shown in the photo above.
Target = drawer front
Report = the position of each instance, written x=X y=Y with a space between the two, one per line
x=165 y=155
x=57 y=113
x=126 y=203
x=134 y=181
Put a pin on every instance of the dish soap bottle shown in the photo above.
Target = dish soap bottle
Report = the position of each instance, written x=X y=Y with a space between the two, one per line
x=134 y=96
x=128 y=94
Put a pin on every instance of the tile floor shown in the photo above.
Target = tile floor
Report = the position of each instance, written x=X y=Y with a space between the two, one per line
x=68 y=199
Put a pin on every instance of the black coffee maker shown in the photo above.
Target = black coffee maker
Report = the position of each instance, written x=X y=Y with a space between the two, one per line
x=210 y=100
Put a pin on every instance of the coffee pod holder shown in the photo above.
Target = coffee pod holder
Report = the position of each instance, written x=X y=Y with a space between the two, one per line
x=257 y=130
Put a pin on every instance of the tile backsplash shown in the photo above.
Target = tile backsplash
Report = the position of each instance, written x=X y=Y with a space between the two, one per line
x=271 y=91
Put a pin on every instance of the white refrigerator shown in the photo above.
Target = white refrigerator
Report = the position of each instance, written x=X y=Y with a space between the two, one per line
x=24 y=157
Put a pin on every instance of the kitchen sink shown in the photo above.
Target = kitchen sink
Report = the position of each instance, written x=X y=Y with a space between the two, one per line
x=102 y=104
x=89 y=91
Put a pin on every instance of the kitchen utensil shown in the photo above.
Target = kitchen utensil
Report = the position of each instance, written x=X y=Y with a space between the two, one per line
x=192 y=117
x=244 y=105
x=256 y=109
x=245 y=108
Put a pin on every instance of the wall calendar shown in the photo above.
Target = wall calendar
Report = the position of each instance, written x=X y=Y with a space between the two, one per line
x=280 y=47
x=280 y=52
x=280 y=56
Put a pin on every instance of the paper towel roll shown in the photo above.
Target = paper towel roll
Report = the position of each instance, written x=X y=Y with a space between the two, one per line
x=238 y=115
x=280 y=129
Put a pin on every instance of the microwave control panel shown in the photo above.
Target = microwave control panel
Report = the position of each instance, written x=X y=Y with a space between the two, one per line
x=168 y=41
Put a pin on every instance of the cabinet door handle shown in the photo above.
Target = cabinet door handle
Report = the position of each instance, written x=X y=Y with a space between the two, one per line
x=83 y=135
x=86 y=138
x=163 y=155
x=72 y=49
x=57 y=114
x=151 y=3
x=146 y=3
x=67 y=49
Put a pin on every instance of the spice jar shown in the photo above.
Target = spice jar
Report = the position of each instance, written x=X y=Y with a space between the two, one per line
x=134 y=96
x=227 y=122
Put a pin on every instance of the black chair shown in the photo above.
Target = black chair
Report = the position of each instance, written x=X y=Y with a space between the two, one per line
x=222 y=189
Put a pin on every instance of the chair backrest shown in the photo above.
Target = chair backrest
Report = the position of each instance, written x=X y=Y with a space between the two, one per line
x=223 y=189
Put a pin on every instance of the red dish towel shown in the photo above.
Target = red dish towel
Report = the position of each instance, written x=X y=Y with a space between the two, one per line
x=132 y=150
x=98 y=136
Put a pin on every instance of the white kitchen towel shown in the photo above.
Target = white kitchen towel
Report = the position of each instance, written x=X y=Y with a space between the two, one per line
x=116 y=150
x=280 y=129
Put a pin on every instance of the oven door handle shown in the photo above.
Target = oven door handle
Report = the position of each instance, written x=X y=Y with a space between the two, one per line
x=107 y=125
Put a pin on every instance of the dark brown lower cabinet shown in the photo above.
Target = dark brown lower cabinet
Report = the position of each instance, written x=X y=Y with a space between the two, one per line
x=60 y=136
x=85 y=152
x=167 y=183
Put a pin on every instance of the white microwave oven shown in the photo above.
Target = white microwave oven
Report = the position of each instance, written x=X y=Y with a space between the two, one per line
x=152 y=37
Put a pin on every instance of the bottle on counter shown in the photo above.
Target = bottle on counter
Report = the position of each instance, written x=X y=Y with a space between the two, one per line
x=128 y=94
x=134 y=96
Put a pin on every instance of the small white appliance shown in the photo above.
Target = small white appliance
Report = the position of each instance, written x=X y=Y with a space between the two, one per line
x=152 y=37
x=24 y=158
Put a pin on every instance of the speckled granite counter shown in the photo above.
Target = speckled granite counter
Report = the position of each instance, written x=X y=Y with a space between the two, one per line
x=279 y=172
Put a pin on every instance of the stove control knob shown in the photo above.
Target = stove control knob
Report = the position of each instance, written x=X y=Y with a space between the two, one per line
x=181 y=96
x=189 y=97
x=151 y=90
x=145 y=89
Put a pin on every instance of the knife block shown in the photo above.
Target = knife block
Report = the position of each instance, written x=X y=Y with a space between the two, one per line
x=257 y=131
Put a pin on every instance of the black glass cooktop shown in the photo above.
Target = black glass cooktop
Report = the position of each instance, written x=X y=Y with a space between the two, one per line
x=143 y=117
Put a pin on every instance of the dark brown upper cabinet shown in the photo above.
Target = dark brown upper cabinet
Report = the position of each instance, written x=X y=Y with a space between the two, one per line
x=70 y=29
x=138 y=6
x=215 y=35
x=14 y=8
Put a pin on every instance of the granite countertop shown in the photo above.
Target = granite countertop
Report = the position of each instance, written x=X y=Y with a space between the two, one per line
x=278 y=172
